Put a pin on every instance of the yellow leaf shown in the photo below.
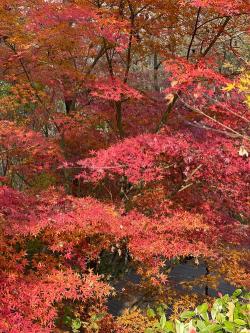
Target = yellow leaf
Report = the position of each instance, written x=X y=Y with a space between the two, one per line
x=229 y=87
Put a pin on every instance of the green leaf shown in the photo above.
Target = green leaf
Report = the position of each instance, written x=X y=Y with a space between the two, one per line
x=200 y=324
x=76 y=324
x=160 y=310
x=211 y=328
x=150 y=313
x=236 y=311
x=149 y=330
x=67 y=320
x=220 y=318
x=228 y=326
x=202 y=308
x=169 y=326
x=163 y=321
x=179 y=327
x=237 y=292
x=240 y=322
x=187 y=315
x=98 y=316
x=214 y=312
x=204 y=316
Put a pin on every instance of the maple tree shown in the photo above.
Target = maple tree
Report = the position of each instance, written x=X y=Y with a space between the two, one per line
x=124 y=130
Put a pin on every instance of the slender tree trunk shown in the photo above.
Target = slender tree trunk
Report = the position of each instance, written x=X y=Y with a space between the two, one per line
x=156 y=67
x=207 y=273
x=118 y=110
x=166 y=114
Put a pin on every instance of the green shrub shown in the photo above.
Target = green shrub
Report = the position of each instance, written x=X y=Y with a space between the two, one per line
x=227 y=314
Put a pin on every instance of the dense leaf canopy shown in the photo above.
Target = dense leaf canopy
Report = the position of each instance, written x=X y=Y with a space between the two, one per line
x=124 y=131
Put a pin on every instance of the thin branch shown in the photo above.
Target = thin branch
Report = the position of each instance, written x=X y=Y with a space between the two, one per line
x=194 y=32
x=211 y=20
x=214 y=120
x=129 y=53
x=214 y=40
x=176 y=96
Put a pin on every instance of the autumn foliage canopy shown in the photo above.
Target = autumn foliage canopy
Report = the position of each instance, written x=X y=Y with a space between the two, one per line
x=124 y=130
